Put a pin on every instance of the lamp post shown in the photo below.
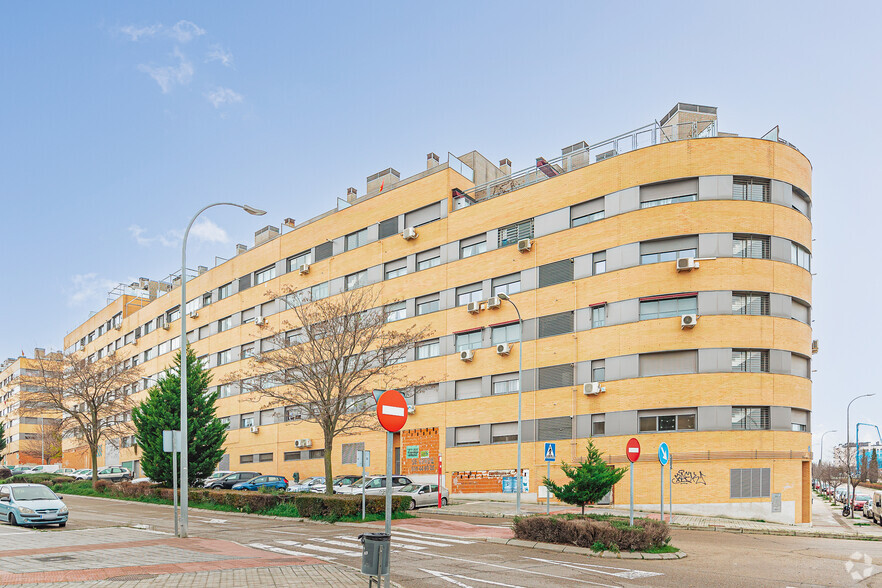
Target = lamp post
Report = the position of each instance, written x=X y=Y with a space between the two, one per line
x=821 y=455
x=184 y=440
x=849 y=499
x=519 y=482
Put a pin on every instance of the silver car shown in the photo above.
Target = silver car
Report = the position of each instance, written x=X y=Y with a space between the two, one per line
x=375 y=485
x=422 y=495
x=307 y=485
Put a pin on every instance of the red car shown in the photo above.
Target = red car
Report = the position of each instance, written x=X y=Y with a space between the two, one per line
x=859 y=502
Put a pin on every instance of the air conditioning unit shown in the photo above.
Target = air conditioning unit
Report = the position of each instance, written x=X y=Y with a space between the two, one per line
x=194 y=314
x=166 y=326
x=686 y=264
x=687 y=321
x=592 y=388
x=304 y=269
x=814 y=346
x=259 y=320
x=297 y=442
x=494 y=302
x=118 y=327
x=467 y=355
x=255 y=429
x=411 y=409
x=474 y=307
x=306 y=443
x=503 y=348
x=525 y=245
x=409 y=234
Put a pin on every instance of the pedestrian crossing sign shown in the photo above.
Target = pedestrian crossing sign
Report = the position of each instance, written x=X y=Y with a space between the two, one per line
x=549 y=452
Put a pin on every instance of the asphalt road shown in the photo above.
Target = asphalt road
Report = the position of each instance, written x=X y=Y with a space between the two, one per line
x=423 y=557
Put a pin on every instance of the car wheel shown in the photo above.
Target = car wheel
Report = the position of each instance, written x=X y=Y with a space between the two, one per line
x=443 y=501
x=12 y=520
x=412 y=505
x=62 y=525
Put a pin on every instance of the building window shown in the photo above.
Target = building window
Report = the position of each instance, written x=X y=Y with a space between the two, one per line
x=598 y=316
x=668 y=307
x=428 y=349
x=264 y=457
x=599 y=263
x=316 y=454
x=466 y=389
x=426 y=394
x=225 y=291
x=685 y=422
x=356 y=280
x=396 y=312
x=750 y=418
x=388 y=227
x=598 y=370
x=666 y=256
x=750 y=482
x=504 y=432
x=292 y=456
x=225 y=324
x=598 y=424
x=750 y=303
x=587 y=218
x=799 y=427
x=428 y=304
x=470 y=293
x=510 y=284
x=750 y=360
x=248 y=350
x=174 y=314
x=296 y=261
x=246 y=459
x=356 y=239
x=800 y=256
x=247 y=421
x=652 y=424
x=467 y=341
x=556 y=376
x=265 y=275
x=463 y=436
x=319 y=291
x=350 y=452
x=224 y=357
x=427 y=259
x=751 y=246
x=396 y=268
x=753 y=189
x=505 y=384
x=224 y=391
x=473 y=249
x=511 y=234
x=324 y=251
x=669 y=200
x=555 y=324
x=556 y=272
x=506 y=333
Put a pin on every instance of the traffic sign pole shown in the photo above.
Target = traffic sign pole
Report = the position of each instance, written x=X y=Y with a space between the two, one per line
x=392 y=414
x=632 y=493
x=662 y=504
x=671 y=491
x=439 y=480
x=632 y=452
x=664 y=457
x=547 y=493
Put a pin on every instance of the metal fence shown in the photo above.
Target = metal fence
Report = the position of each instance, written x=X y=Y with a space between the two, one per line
x=714 y=455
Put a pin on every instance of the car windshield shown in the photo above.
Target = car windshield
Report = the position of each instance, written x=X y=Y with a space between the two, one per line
x=216 y=475
x=348 y=482
x=409 y=488
x=862 y=498
x=33 y=493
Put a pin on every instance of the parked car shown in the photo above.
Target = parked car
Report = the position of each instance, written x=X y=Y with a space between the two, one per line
x=877 y=507
x=21 y=469
x=84 y=474
x=375 y=485
x=868 y=509
x=31 y=504
x=114 y=474
x=45 y=469
x=143 y=481
x=422 y=495
x=859 y=501
x=839 y=495
x=65 y=471
x=277 y=482
x=307 y=485
x=339 y=482
x=215 y=476
x=231 y=480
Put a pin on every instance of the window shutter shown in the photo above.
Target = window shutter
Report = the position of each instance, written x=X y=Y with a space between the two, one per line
x=468 y=435
x=244 y=282
x=470 y=388
x=388 y=227
x=668 y=363
x=556 y=273
x=350 y=450
x=735 y=483
x=555 y=324
x=555 y=376
x=324 y=251
x=424 y=215
x=555 y=428
x=426 y=394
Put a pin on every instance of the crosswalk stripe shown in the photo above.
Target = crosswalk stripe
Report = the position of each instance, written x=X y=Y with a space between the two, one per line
x=402 y=545
x=288 y=551
x=322 y=548
x=439 y=538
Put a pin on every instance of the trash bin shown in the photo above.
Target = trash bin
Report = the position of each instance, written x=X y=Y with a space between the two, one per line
x=375 y=553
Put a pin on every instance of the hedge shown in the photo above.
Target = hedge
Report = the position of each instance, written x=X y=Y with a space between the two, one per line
x=598 y=533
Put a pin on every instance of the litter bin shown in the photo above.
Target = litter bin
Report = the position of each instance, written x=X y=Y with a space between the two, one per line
x=375 y=553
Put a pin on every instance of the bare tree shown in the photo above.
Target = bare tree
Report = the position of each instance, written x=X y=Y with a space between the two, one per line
x=46 y=444
x=89 y=396
x=326 y=363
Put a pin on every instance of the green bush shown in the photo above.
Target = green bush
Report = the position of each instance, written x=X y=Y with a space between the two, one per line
x=5 y=473
x=102 y=485
x=613 y=532
x=339 y=506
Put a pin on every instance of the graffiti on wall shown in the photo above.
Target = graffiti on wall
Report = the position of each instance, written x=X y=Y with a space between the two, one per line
x=687 y=477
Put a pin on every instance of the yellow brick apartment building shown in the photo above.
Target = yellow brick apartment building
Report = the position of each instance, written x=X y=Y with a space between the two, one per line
x=26 y=428
x=664 y=281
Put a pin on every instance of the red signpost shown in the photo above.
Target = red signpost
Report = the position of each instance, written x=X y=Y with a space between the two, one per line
x=632 y=452
x=392 y=410
x=439 y=480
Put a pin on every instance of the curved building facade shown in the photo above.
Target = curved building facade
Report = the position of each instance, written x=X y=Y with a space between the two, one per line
x=665 y=291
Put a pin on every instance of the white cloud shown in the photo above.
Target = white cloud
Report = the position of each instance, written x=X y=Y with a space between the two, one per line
x=207 y=231
x=136 y=33
x=168 y=76
x=167 y=239
x=218 y=53
x=185 y=31
x=86 y=289
x=223 y=96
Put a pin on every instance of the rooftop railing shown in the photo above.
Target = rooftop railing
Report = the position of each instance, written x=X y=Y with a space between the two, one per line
x=645 y=136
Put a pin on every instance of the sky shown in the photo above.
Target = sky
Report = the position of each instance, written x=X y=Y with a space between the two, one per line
x=118 y=120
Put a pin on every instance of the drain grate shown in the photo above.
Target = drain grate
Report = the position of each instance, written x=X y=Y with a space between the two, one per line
x=133 y=577
x=53 y=558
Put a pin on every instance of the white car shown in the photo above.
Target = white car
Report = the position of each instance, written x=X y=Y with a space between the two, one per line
x=375 y=485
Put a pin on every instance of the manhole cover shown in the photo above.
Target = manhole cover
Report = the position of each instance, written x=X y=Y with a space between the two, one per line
x=51 y=558
x=133 y=577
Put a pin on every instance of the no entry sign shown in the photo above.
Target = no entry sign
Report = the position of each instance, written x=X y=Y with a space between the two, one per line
x=632 y=450
x=392 y=410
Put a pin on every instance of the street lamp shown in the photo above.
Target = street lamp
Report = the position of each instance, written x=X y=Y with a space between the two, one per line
x=850 y=500
x=821 y=455
x=184 y=440
x=519 y=482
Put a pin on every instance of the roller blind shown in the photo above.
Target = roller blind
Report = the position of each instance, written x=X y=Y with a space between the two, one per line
x=555 y=376
x=423 y=215
x=555 y=273
x=554 y=428
x=470 y=388
x=388 y=227
x=555 y=324
x=668 y=363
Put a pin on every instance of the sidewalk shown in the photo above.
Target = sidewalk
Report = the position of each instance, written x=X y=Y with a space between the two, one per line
x=826 y=521
x=132 y=557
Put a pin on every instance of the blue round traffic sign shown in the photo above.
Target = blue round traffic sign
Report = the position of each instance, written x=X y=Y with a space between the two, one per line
x=664 y=454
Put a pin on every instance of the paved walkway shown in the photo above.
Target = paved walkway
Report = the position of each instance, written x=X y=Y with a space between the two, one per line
x=133 y=557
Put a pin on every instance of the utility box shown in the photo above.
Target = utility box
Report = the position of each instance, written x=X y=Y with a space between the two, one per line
x=375 y=553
